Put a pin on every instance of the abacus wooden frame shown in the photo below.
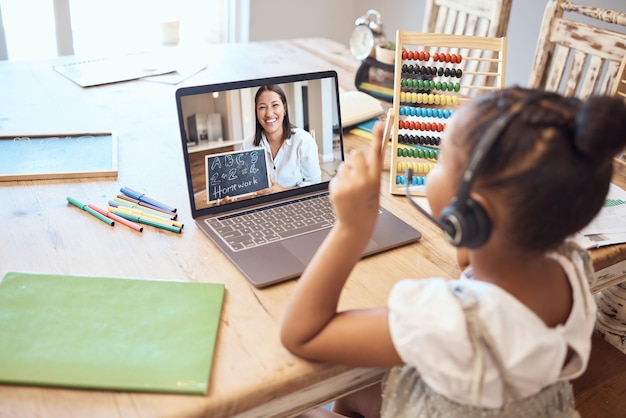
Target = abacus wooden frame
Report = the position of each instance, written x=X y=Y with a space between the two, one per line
x=487 y=50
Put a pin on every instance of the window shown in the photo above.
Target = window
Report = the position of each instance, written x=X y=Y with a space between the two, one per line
x=114 y=27
x=29 y=35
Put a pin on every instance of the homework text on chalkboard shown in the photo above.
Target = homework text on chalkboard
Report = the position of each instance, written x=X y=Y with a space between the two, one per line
x=236 y=173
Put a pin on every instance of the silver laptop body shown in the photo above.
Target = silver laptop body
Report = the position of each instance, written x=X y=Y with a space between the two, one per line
x=270 y=238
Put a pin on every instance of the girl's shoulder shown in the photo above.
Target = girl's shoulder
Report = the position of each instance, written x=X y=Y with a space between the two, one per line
x=429 y=328
x=440 y=287
x=429 y=311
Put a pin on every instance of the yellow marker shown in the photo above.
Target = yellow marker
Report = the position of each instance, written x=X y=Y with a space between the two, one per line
x=139 y=219
x=128 y=204
x=145 y=215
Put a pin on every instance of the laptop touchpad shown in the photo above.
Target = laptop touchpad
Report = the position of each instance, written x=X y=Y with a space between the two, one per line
x=304 y=247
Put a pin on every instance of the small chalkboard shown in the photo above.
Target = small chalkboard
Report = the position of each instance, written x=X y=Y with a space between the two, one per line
x=58 y=156
x=236 y=173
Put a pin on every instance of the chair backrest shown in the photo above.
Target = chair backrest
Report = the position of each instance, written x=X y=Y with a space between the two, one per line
x=489 y=18
x=467 y=17
x=577 y=58
x=620 y=90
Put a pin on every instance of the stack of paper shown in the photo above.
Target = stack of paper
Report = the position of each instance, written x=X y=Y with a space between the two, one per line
x=163 y=66
x=609 y=226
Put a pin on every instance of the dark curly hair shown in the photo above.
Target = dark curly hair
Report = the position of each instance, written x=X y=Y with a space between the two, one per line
x=553 y=163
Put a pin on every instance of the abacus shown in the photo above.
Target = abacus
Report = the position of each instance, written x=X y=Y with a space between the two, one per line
x=434 y=73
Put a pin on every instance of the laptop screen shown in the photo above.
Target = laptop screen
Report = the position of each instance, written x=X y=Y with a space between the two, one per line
x=226 y=132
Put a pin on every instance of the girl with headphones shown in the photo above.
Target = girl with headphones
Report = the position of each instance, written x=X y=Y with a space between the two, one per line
x=519 y=172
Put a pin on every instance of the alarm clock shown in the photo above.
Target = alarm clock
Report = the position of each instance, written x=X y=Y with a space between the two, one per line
x=366 y=35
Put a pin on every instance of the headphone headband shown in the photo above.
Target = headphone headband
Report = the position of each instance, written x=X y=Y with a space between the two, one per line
x=464 y=221
x=495 y=131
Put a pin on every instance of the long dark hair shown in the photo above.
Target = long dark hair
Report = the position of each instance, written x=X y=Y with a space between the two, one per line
x=287 y=126
x=552 y=165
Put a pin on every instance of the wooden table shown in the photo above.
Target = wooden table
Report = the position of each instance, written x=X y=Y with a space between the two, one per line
x=253 y=375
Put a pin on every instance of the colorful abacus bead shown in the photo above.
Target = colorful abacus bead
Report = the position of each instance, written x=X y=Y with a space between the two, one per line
x=427 y=153
x=428 y=85
x=446 y=57
x=449 y=72
x=418 y=180
x=419 y=140
x=416 y=167
x=415 y=55
x=423 y=126
x=415 y=180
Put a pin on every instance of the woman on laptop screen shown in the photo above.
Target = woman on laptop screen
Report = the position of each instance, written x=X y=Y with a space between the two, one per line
x=273 y=118
x=292 y=156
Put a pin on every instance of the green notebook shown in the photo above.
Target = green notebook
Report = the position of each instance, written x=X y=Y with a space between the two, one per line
x=108 y=333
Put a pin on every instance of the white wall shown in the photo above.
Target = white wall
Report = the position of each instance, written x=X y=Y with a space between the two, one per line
x=334 y=19
x=280 y=19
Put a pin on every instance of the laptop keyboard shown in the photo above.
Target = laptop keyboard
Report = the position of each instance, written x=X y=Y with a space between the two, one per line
x=270 y=224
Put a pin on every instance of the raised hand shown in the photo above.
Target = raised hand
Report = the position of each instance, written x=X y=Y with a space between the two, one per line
x=355 y=190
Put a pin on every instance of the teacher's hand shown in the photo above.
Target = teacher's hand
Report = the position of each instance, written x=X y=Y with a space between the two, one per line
x=274 y=187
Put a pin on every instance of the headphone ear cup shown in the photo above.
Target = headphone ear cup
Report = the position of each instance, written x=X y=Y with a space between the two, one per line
x=479 y=224
x=451 y=224
x=468 y=227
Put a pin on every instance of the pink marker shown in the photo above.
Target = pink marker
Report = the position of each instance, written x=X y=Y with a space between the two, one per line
x=117 y=218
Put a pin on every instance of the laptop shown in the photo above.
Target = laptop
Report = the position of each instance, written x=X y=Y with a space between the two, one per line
x=227 y=184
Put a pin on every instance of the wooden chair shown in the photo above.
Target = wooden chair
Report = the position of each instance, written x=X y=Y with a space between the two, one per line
x=581 y=59
x=467 y=17
x=577 y=58
x=620 y=90
x=488 y=18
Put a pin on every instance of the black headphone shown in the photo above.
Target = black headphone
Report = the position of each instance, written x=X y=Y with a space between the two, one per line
x=464 y=221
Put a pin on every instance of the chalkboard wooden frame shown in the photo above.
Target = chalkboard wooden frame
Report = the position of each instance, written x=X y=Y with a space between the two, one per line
x=236 y=181
x=58 y=156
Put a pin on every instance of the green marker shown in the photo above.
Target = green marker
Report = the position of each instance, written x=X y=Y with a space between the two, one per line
x=91 y=211
x=147 y=221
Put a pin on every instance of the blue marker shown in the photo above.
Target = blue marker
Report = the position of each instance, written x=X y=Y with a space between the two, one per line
x=143 y=198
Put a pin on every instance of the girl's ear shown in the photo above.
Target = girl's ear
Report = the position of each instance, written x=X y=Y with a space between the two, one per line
x=487 y=205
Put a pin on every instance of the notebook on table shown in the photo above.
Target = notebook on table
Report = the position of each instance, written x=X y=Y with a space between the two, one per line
x=248 y=227
x=108 y=333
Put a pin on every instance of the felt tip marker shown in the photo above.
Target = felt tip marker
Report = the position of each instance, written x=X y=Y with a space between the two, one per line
x=122 y=200
x=146 y=205
x=90 y=211
x=141 y=214
x=116 y=218
x=143 y=198
x=146 y=221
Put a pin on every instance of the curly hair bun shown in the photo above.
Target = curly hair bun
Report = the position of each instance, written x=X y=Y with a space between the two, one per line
x=600 y=133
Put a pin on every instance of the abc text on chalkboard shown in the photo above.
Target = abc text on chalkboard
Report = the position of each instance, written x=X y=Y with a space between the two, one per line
x=236 y=173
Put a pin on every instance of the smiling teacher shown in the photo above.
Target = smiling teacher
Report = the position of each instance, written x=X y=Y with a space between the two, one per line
x=292 y=156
